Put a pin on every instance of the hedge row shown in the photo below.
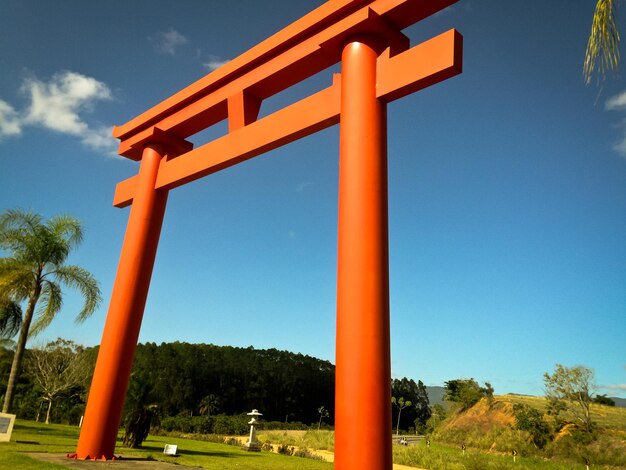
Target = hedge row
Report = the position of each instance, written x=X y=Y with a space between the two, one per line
x=221 y=424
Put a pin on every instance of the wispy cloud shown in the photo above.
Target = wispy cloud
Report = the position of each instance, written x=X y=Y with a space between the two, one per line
x=615 y=387
x=618 y=103
x=620 y=145
x=214 y=62
x=58 y=105
x=166 y=42
x=467 y=6
x=302 y=186
x=9 y=120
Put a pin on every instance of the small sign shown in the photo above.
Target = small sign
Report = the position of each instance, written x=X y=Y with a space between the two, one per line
x=170 y=449
x=6 y=426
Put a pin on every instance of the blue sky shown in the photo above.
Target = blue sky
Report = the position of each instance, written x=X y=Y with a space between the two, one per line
x=507 y=188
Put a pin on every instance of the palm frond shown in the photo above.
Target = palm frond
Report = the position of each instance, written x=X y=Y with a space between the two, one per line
x=16 y=230
x=603 y=41
x=16 y=279
x=67 y=228
x=10 y=318
x=85 y=283
x=13 y=219
x=50 y=303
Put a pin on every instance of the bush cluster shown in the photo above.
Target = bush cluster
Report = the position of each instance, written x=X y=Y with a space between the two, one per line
x=220 y=424
x=224 y=425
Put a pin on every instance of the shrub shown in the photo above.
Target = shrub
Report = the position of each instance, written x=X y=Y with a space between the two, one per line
x=230 y=424
x=531 y=420
x=220 y=424
x=284 y=449
x=307 y=454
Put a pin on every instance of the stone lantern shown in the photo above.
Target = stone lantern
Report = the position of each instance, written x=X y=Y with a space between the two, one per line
x=253 y=444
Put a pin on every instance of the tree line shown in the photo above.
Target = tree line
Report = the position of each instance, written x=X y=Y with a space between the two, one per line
x=191 y=380
x=181 y=379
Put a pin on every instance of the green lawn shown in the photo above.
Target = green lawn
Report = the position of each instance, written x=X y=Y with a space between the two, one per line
x=35 y=437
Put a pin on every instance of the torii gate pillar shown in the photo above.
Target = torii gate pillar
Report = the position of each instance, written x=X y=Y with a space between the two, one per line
x=362 y=371
x=121 y=330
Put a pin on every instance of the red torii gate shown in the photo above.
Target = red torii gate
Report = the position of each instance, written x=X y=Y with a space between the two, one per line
x=377 y=67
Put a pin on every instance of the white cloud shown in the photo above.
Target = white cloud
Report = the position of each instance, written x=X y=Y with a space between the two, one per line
x=101 y=140
x=166 y=42
x=620 y=145
x=10 y=123
x=616 y=387
x=57 y=105
x=214 y=62
x=617 y=102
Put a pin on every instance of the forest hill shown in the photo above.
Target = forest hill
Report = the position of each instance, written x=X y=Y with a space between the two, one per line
x=285 y=386
x=208 y=379
x=184 y=379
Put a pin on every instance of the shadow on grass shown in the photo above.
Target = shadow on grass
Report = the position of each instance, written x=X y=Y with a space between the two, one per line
x=157 y=449
x=217 y=454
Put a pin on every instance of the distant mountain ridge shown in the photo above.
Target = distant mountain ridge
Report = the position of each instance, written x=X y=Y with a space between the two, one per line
x=621 y=402
x=435 y=394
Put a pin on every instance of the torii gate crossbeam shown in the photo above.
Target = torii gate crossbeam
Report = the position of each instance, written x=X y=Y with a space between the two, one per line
x=377 y=67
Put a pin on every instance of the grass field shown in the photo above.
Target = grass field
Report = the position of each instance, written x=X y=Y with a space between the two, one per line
x=194 y=452
x=36 y=437
x=452 y=458
x=604 y=416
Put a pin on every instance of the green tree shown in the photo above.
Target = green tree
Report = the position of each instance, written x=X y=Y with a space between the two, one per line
x=603 y=400
x=438 y=414
x=603 y=41
x=34 y=273
x=466 y=392
x=417 y=414
x=401 y=404
x=140 y=409
x=572 y=387
x=10 y=318
x=421 y=404
x=531 y=420
x=57 y=368
x=323 y=414
x=209 y=405
x=488 y=391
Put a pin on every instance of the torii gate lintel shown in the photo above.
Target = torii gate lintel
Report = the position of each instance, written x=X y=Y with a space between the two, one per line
x=377 y=67
x=398 y=75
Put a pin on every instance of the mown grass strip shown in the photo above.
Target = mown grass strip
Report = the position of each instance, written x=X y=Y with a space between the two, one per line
x=59 y=439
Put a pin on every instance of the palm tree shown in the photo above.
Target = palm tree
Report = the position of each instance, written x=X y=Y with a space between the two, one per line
x=603 y=41
x=34 y=273
x=401 y=404
x=140 y=409
x=209 y=405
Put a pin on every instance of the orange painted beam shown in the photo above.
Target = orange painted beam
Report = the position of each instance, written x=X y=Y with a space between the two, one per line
x=307 y=46
x=430 y=62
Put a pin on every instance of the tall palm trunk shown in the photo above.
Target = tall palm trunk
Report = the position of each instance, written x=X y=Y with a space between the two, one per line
x=20 y=348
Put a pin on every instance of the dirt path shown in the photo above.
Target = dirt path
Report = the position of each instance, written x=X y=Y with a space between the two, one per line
x=130 y=463
x=330 y=457
x=146 y=464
